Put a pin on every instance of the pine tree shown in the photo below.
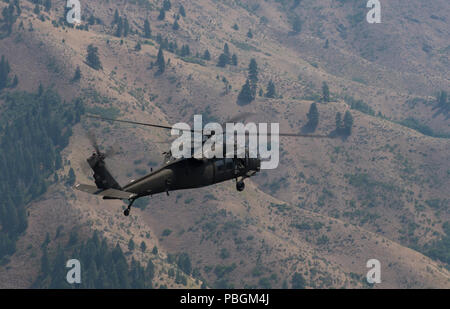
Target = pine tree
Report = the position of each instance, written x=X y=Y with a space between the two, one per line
x=348 y=123
x=143 y=247
x=253 y=76
x=234 y=60
x=245 y=96
x=138 y=46
x=147 y=29
x=119 y=28
x=313 y=117
x=223 y=60
x=92 y=58
x=155 y=250
x=207 y=55
x=298 y=281
x=4 y=72
x=182 y=11
x=271 y=91
x=162 y=14
x=131 y=244
x=176 y=25
x=116 y=18
x=167 y=5
x=71 y=178
x=250 y=34
x=77 y=75
x=126 y=27
x=160 y=62
x=325 y=92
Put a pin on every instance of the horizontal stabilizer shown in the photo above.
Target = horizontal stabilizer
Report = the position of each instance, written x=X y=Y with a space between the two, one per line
x=111 y=193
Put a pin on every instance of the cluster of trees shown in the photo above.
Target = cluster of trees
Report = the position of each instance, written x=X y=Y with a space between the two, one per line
x=344 y=126
x=5 y=80
x=440 y=249
x=102 y=267
x=123 y=26
x=9 y=17
x=226 y=58
x=248 y=91
x=92 y=58
x=34 y=127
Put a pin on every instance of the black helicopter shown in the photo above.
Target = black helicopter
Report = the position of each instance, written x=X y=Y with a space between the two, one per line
x=175 y=173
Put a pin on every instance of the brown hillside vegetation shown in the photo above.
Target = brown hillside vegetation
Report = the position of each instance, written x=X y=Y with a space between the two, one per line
x=329 y=207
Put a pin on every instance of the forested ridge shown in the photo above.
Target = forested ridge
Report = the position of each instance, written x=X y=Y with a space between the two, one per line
x=102 y=267
x=34 y=128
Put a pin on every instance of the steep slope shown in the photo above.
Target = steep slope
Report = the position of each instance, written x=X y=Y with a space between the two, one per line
x=328 y=208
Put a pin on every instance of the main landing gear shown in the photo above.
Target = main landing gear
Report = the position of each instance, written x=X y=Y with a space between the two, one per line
x=126 y=212
x=240 y=185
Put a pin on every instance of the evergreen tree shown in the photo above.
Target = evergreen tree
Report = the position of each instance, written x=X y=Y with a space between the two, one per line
x=313 y=117
x=116 y=18
x=223 y=61
x=162 y=14
x=147 y=29
x=92 y=58
x=235 y=27
x=325 y=92
x=226 y=50
x=245 y=96
x=250 y=34
x=348 y=123
x=207 y=55
x=297 y=25
x=143 y=247
x=155 y=250
x=253 y=76
x=71 y=178
x=138 y=46
x=271 y=91
x=126 y=27
x=184 y=263
x=176 y=25
x=131 y=245
x=4 y=73
x=182 y=11
x=160 y=61
x=234 y=60
x=119 y=29
x=298 y=281
x=167 y=5
x=77 y=75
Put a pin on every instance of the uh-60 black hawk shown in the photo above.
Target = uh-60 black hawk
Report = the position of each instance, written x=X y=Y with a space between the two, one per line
x=175 y=173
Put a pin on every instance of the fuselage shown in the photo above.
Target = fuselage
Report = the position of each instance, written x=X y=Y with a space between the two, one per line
x=192 y=173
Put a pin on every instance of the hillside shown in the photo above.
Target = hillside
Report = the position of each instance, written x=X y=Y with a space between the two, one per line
x=330 y=206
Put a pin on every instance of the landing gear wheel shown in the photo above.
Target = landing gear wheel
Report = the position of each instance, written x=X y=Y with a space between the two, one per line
x=240 y=186
x=126 y=212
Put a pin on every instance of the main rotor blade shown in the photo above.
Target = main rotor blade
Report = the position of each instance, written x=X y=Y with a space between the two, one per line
x=197 y=131
x=135 y=122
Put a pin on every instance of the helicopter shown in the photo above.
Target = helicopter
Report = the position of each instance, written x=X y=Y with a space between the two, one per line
x=176 y=173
